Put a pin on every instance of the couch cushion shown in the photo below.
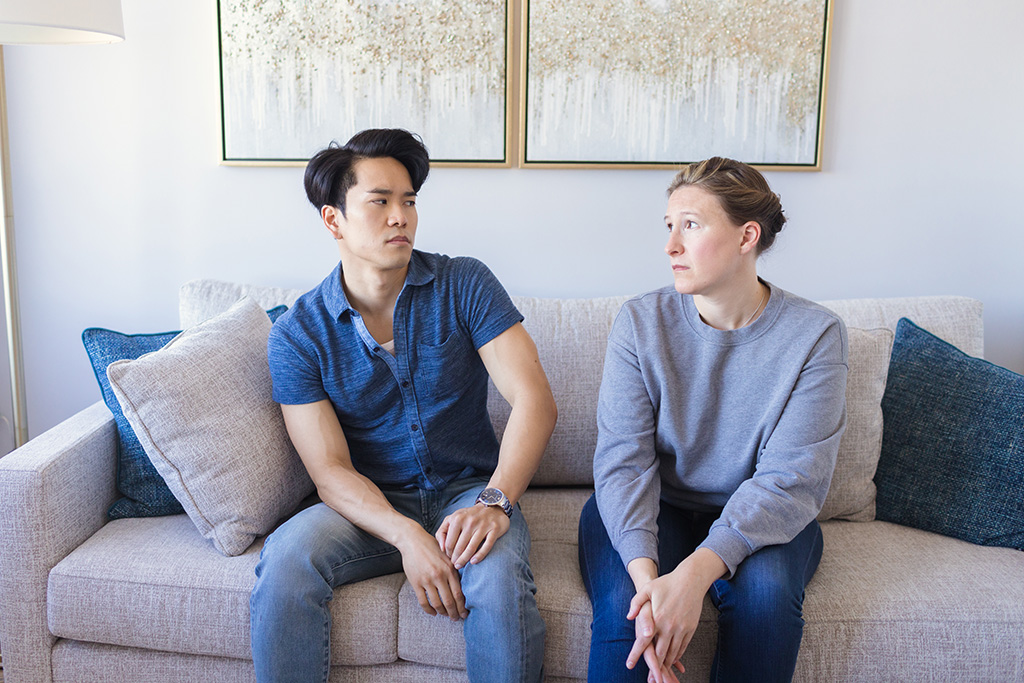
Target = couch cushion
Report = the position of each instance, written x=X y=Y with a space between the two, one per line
x=202 y=409
x=893 y=603
x=143 y=491
x=953 y=453
x=852 y=492
x=155 y=583
x=957 y=319
x=200 y=300
x=571 y=337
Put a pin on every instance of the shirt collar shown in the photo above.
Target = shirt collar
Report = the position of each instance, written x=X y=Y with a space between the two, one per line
x=420 y=273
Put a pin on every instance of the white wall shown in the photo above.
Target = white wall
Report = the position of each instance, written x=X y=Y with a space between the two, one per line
x=119 y=197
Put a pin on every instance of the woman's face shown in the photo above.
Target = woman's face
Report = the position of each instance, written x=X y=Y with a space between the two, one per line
x=706 y=249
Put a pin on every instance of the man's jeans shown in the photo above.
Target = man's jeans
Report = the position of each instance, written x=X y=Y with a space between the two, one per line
x=760 y=622
x=318 y=550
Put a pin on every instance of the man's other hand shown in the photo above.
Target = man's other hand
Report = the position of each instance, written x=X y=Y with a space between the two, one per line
x=433 y=577
x=467 y=535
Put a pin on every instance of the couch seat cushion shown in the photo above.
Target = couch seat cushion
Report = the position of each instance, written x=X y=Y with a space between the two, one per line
x=155 y=583
x=888 y=599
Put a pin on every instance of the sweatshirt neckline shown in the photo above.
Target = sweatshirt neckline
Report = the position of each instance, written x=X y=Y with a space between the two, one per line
x=743 y=335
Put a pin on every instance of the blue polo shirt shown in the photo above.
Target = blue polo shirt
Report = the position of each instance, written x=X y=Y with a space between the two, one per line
x=417 y=419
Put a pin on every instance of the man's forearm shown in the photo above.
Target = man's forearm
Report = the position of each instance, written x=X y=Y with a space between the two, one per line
x=522 y=445
x=361 y=502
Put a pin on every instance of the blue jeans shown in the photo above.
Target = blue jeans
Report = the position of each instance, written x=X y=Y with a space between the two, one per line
x=760 y=621
x=318 y=550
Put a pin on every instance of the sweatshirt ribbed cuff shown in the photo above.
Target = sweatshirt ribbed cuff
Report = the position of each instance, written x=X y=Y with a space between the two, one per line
x=637 y=543
x=729 y=545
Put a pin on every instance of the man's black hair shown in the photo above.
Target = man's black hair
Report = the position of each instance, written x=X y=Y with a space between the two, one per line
x=331 y=171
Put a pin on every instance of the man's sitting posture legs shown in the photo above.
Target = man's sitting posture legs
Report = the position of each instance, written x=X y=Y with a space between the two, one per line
x=381 y=372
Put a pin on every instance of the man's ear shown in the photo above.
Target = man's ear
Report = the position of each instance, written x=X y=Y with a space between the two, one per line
x=333 y=220
x=751 y=236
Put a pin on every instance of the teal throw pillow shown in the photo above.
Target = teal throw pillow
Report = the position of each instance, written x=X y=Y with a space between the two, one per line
x=952 y=457
x=143 y=491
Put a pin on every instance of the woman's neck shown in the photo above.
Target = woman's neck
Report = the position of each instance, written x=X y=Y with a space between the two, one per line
x=733 y=309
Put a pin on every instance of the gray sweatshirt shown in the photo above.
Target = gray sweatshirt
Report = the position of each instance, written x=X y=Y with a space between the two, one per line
x=744 y=421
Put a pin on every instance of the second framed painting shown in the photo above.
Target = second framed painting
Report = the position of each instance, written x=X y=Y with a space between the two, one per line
x=656 y=83
x=296 y=75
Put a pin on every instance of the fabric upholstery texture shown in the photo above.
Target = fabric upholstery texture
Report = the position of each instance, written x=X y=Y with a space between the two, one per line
x=953 y=450
x=137 y=600
x=144 y=492
x=202 y=410
x=852 y=493
x=570 y=334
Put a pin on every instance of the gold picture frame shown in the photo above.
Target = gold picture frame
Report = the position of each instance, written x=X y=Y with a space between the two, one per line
x=673 y=81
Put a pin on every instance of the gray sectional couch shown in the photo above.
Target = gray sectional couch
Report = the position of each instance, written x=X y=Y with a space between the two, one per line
x=143 y=600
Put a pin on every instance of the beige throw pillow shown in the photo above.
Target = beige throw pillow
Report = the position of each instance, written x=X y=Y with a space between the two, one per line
x=203 y=411
x=852 y=494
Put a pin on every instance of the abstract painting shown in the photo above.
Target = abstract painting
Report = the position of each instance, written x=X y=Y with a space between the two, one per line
x=297 y=74
x=653 y=83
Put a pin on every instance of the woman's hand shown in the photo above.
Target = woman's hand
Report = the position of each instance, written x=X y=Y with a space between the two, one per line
x=674 y=603
x=644 y=647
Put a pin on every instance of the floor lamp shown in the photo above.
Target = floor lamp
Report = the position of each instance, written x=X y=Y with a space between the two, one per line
x=30 y=22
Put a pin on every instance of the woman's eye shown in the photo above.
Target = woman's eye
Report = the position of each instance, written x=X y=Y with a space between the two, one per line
x=689 y=225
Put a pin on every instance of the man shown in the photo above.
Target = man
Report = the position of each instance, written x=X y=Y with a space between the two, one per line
x=381 y=372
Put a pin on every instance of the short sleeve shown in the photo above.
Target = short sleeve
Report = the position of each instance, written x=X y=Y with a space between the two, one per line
x=294 y=369
x=484 y=307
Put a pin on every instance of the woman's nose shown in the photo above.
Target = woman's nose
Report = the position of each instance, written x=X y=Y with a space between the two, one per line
x=674 y=244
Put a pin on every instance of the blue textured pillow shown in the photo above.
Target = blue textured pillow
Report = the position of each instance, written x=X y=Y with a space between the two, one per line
x=952 y=457
x=143 y=491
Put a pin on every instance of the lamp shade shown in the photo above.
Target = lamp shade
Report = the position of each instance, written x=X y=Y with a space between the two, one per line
x=24 y=22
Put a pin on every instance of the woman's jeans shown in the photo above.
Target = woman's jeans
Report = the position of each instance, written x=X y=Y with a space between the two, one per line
x=760 y=621
x=318 y=550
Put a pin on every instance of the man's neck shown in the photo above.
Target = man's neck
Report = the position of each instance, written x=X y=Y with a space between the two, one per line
x=373 y=292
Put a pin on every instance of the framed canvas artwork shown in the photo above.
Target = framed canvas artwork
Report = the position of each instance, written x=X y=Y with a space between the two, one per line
x=657 y=83
x=296 y=75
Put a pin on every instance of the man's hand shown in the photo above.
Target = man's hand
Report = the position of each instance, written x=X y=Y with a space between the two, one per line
x=467 y=535
x=433 y=576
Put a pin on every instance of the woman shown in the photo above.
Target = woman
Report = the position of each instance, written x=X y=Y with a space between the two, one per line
x=719 y=419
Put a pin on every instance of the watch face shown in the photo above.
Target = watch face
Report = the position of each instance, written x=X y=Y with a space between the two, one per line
x=490 y=497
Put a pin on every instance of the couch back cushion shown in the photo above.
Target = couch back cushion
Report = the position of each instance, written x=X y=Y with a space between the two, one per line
x=571 y=336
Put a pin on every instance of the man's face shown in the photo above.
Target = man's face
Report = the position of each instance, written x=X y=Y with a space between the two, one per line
x=379 y=225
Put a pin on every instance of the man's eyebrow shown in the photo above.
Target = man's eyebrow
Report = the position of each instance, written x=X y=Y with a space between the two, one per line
x=385 y=191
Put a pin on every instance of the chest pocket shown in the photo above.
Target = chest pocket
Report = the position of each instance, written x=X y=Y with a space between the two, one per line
x=443 y=372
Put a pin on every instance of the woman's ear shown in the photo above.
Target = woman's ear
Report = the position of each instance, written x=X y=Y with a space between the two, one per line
x=333 y=220
x=751 y=236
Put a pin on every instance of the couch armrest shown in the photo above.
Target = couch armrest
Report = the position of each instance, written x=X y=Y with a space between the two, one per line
x=54 y=494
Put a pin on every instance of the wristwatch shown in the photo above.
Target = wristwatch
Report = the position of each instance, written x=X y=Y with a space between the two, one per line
x=492 y=497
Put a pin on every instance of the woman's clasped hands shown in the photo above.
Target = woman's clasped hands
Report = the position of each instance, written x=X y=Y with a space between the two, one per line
x=666 y=611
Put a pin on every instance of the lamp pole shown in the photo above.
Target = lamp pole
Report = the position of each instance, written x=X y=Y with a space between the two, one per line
x=27 y=22
x=8 y=264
